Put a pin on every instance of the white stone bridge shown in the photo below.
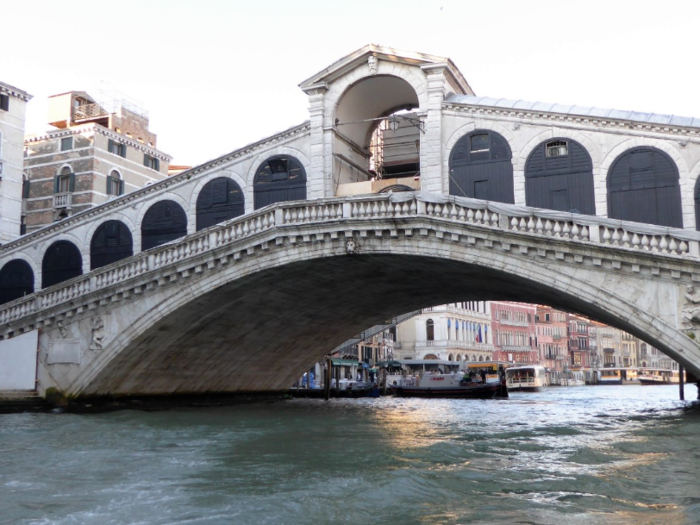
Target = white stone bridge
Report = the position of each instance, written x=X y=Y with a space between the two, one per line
x=239 y=274
x=247 y=305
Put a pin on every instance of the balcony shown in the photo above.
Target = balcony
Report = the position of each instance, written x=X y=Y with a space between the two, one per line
x=88 y=112
x=62 y=200
x=514 y=348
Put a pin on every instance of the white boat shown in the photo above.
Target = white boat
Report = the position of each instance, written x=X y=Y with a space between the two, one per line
x=610 y=376
x=658 y=376
x=530 y=378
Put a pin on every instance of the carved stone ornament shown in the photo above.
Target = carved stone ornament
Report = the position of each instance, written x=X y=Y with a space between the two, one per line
x=690 y=313
x=352 y=247
x=62 y=330
x=372 y=63
x=98 y=334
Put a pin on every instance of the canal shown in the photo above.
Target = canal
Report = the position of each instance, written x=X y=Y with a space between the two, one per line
x=593 y=455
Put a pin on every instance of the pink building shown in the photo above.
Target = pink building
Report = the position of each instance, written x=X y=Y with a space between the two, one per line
x=514 y=334
x=552 y=340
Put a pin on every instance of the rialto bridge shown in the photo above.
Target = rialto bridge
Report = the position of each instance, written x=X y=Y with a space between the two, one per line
x=402 y=191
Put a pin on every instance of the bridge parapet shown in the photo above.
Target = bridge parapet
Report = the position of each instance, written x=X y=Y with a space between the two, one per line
x=532 y=222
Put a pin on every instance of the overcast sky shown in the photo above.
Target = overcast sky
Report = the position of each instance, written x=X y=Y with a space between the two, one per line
x=216 y=75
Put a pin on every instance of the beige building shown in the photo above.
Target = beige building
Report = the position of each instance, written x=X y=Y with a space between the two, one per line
x=453 y=332
x=13 y=104
x=98 y=150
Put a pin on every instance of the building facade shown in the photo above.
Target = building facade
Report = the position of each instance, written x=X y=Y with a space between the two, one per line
x=514 y=332
x=453 y=332
x=13 y=104
x=552 y=342
x=96 y=152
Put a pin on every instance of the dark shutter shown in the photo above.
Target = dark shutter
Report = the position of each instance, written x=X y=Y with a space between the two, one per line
x=280 y=178
x=164 y=221
x=109 y=185
x=122 y=150
x=110 y=146
x=121 y=187
x=16 y=280
x=25 y=189
x=220 y=200
x=146 y=160
x=111 y=242
x=71 y=182
x=62 y=261
x=643 y=186
x=560 y=182
x=56 y=182
x=481 y=167
x=5 y=102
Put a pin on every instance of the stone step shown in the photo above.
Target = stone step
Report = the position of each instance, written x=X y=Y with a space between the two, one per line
x=14 y=401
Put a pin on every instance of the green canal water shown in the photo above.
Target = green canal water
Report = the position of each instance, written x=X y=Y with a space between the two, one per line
x=589 y=455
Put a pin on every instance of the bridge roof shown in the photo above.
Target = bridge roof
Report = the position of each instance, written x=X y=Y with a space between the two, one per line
x=349 y=62
x=569 y=109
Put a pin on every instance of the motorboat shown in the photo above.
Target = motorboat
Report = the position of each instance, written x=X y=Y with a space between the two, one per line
x=526 y=378
x=658 y=376
x=446 y=386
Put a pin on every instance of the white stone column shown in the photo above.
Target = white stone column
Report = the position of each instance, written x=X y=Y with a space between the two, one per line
x=431 y=141
x=316 y=180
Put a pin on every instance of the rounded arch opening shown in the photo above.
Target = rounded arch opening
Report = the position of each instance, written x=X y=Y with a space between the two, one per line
x=643 y=186
x=110 y=243
x=219 y=200
x=165 y=221
x=279 y=178
x=16 y=280
x=377 y=136
x=62 y=261
x=481 y=167
x=559 y=176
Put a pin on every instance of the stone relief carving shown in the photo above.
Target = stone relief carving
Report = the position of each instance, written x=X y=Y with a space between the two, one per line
x=372 y=63
x=690 y=313
x=98 y=333
x=63 y=331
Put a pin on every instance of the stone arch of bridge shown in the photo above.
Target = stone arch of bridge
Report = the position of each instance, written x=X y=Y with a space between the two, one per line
x=257 y=324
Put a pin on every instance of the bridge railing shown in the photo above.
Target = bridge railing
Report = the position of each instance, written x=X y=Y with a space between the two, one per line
x=508 y=217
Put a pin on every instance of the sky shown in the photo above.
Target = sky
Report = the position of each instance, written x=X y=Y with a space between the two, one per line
x=216 y=75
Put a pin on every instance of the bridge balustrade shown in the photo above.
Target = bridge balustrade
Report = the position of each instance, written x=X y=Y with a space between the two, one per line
x=513 y=218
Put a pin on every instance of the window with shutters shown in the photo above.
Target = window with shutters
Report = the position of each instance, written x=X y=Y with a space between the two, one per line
x=66 y=143
x=5 y=102
x=64 y=181
x=151 y=162
x=557 y=148
x=115 y=185
x=116 y=148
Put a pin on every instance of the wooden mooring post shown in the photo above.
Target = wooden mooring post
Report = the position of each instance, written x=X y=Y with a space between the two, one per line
x=329 y=375
x=681 y=382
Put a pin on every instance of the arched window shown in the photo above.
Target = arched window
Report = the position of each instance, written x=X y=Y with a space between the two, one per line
x=481 y=167
x=16 y=280
x=64 y=182
x=430 y=330
x=115 y=184
x=165 y=221
x=559 y=176
x=280 y=178
x=62 y=261
x=110 y=243
x=481 y=358
x=220 y=200
x=643 y=187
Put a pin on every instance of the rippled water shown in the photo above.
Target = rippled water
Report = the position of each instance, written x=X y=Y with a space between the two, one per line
x=605 y=454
